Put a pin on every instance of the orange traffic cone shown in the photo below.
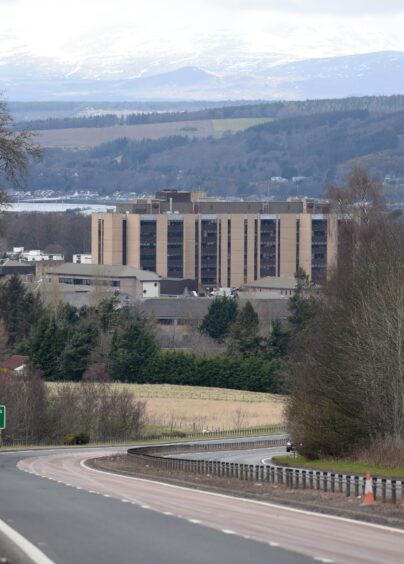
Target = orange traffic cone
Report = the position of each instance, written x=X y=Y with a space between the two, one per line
x=369 y=498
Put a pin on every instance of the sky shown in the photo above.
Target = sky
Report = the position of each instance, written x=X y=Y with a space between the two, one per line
x=80 y=32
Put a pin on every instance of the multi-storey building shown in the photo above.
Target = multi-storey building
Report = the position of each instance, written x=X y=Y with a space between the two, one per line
x=219 y=243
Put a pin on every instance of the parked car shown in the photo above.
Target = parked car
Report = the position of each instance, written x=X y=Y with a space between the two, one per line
x=290 y=447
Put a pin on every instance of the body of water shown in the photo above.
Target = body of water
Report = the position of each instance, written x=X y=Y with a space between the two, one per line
x=85 y=208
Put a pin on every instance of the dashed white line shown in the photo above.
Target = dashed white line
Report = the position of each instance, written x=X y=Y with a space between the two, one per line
x=228 y=532
x=195 y=521
x=325 y=560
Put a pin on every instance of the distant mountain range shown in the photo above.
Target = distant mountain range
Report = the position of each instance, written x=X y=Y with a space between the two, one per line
x=24 y=77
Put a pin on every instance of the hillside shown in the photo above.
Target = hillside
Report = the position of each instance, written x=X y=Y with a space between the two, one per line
x=316 y=146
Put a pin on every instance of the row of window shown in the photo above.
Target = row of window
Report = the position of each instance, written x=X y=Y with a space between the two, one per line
x=88 y=282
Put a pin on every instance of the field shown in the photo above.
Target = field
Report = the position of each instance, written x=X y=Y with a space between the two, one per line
x=191 y=408
x=87 y=137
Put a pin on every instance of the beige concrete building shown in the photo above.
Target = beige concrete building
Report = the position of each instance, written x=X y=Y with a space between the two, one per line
x=219 y=243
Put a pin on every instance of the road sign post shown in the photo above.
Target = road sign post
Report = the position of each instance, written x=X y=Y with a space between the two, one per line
x=2 y=420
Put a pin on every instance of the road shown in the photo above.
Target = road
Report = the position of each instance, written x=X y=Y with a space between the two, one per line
x=253 y=456
x=122 y=520
x=75 y=514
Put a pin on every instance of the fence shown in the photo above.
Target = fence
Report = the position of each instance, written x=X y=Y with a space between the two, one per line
x=384 y=489
x=271 y=429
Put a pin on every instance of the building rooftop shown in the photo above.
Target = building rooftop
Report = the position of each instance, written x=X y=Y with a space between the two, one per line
x=273 y=282
x=15 y=361
x=103 y=271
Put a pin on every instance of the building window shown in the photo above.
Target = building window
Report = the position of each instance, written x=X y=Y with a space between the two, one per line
x=124 y=241
x=268 y=247
x=100 y=241
x=245 y=250
x=175 y=249
x=148 y=236
x=229 y=253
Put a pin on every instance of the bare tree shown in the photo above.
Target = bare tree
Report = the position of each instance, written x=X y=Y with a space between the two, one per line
x=347 y=372
x=3 y=340
x=16 y=147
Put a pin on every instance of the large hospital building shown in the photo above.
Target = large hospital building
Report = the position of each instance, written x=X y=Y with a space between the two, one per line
x=219 y=243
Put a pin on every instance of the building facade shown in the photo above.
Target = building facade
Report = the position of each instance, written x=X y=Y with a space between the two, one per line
x=218 y=243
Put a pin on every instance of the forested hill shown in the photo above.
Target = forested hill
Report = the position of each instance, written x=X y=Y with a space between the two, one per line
x=315 y=146
x=374 y=104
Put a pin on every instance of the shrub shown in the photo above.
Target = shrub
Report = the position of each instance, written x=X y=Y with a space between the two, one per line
x=76 y=439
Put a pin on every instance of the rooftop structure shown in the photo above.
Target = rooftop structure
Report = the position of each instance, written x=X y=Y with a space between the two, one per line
x=218 y=243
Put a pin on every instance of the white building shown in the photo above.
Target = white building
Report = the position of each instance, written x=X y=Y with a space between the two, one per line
x=82 y=259
x=35 y=255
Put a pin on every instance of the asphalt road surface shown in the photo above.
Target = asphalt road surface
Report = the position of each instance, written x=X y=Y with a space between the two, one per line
x=100 y=518
x=76 y=514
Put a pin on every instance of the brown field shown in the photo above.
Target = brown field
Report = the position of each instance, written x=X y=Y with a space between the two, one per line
x=87 y=137
x=191 y=408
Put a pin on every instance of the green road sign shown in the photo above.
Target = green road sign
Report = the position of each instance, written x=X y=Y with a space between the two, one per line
x=2 y=417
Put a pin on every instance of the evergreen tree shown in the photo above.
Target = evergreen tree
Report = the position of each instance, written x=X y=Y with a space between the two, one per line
x=302 y=304
x=221 y=314
x=19 y=308
x=133 y=348
x=244 y=337
x=277 y=345
x=46 y=345
x=108 y=312
x=76 y=354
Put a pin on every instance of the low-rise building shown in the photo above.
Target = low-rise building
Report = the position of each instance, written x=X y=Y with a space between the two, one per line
x=126 y=280
x=35 y=255
x=275 y=287
x=10 y=267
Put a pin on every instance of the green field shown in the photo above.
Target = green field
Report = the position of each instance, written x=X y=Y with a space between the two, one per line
x=221 y=126
x=338 y=466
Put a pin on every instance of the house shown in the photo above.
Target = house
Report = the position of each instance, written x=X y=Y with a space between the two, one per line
x=16 y=363
x=270 y=287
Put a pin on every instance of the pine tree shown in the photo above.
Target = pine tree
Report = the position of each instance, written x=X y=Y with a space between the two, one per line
x=277 y=345
x=132 y=349
x=221 y=314
x=244 y=337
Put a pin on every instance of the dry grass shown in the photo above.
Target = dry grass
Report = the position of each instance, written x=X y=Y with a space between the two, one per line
x=191 y=408
x=195 y=408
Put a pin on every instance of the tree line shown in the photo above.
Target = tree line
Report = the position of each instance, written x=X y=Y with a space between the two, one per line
x=115 y=343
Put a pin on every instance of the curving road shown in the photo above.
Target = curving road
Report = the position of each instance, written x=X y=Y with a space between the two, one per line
x=76 y=514
x=101 y=518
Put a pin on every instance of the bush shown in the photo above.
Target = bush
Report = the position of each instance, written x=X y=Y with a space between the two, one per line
x=76 y=439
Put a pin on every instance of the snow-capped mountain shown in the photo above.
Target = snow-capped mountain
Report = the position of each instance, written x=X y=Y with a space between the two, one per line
x=209 y=77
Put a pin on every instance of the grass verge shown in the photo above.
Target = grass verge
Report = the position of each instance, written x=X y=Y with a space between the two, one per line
x=338 y=466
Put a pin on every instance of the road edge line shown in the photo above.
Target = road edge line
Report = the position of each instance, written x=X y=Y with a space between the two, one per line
x=247 y=500
x=30 y=550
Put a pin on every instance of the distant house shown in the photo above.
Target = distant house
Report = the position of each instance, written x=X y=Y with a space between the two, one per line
x=86 y=278
x=275 y=287
x=16 y=363
x=10 y=267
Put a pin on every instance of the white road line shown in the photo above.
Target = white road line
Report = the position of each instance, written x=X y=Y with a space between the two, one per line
x=228 y=532
x=167 y=513
x=325 y=560
x=195 y=521
x=34 y=554
x=274 y=543
x=279 y=507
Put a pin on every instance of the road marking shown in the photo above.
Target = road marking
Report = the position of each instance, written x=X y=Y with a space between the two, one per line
x=125 y=500
x=167 y=513
x=145 y=506
x=34 y=554
x=194 y=521
x=107 y=495
x=279 y=507
x=325 y=560
x=273 y=543
x=228 y=532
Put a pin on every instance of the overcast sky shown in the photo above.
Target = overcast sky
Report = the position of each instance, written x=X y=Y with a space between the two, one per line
x=79 y=30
